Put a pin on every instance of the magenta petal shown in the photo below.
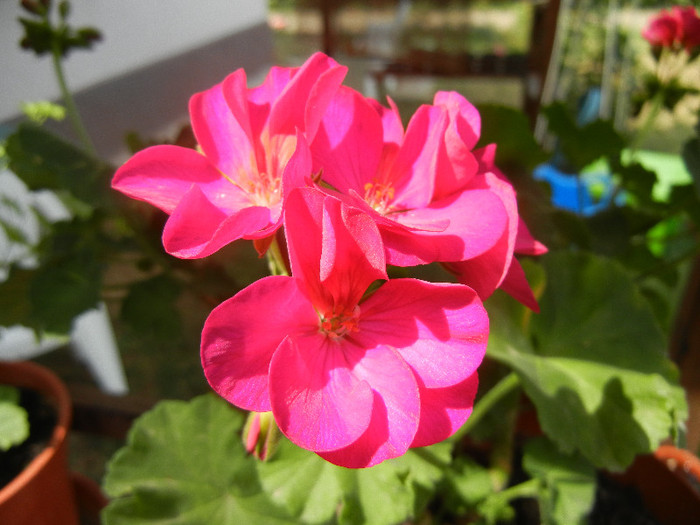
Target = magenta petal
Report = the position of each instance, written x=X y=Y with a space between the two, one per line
x=161 y=175
x=526 y=244
x=464 y=117
x=440 y=330
x=395 y=411
x=477 y=219
x=197 y=228
x=336 y=250
x=348 y=144
x=304 y=98
x=515 y=284
x=444 y=411
x=241 y=335
x=319 y=403
x=413 y=172
x=484 y=273
x=222 y=138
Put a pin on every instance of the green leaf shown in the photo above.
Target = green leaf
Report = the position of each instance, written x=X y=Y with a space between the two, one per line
x=595 y=366
x=315 y=491
x=582 y=145
x=510 y=129
x=184 y=463
x=14 y=424
x=44 y=161
x=15 y=306
x=691 y=158
x=568 y=482
x=63 y=289
x=150 y=308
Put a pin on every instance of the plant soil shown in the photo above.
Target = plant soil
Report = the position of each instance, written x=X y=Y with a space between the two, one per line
x=618 y=504
x=42 y=420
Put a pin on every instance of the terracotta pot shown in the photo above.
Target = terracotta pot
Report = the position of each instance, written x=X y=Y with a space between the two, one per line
x=42 y=494
x=669 y=482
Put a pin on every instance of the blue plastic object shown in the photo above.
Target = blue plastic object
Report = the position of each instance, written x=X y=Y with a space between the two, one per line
x=585 y=194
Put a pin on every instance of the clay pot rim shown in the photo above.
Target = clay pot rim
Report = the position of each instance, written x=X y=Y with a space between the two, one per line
x=31 y=375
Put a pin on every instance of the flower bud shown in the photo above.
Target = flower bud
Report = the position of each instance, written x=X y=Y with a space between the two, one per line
x=261 y=435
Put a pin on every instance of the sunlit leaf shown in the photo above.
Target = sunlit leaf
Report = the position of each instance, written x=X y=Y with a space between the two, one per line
x=595 y=366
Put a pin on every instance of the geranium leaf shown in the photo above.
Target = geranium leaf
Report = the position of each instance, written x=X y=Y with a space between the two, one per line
x=184 y=463
x=315 y=491
x=14 y=425
x=568 y=482
x=596 y=367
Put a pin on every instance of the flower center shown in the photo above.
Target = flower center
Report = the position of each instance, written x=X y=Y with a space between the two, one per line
x=379 y=196
x=337 y=325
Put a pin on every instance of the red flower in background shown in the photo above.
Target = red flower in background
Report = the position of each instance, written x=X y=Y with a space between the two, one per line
x=678 y=28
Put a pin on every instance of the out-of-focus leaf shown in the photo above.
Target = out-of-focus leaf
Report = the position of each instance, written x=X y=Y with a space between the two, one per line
x=510 y=130
x=596 y=367
x=44 y=161
x=14 y=424
x=568 y=482
x=150 y=307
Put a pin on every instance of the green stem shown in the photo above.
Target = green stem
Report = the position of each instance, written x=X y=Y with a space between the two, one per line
x=504 y=387
x=68 y=101
x=275 y=259
x=526 y=489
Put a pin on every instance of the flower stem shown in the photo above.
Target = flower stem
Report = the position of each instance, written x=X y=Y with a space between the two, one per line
x=275 y=258
x=504 y=387
x=69 y=102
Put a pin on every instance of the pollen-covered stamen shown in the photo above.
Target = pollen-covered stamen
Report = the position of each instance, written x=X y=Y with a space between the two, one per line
x=261 y=180
x=379 y=196
x=337 y=325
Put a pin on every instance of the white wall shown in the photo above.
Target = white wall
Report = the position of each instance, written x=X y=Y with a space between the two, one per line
x=136 y=33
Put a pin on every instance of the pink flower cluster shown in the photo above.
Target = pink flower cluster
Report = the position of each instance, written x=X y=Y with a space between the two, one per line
x=353 y=365
x=677 y=28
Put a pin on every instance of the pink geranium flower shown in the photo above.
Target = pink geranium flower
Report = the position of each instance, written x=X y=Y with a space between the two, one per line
x=356 y=377
x=235 y=186
x=678 y=28
x=432 y=197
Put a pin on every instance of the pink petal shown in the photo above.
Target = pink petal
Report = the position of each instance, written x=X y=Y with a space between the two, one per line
x=348 y=145
x=395 y=411
x=440 y=330
x=336 y=250
x=317 y=400
x=484 y=273
x=456 y=162
x=465 y=120
x=525 y=243
x=477 y=219
x=241 y=335
x=304 y=98
x=235 y=92
x=444 y=410
x=197 y=228
x=161 y=175
x=222 y=138
x=413 y=172
x=515 y=284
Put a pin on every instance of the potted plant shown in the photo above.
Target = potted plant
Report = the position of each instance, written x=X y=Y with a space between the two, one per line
x=338 y=416
x=41 y=491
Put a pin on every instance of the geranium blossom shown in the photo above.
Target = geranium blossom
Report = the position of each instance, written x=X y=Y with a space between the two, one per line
x=678 y=28
x=357 y=378
x=235 y=187
x=433 y=198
